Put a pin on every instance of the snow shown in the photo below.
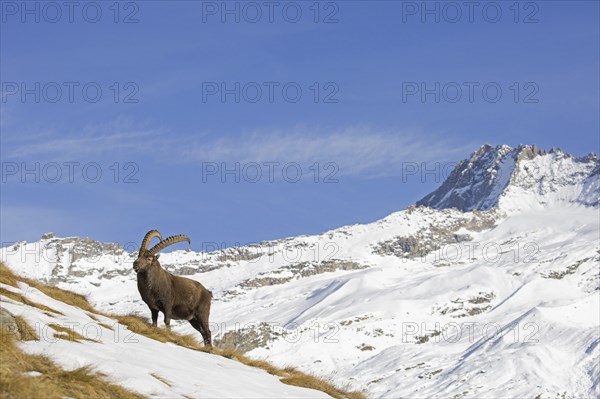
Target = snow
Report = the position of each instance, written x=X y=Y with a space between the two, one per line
x=141 y=364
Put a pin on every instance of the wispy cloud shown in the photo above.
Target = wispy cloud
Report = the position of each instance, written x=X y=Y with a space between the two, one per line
x=83 y=145
x=360 y=151
x=119 y=136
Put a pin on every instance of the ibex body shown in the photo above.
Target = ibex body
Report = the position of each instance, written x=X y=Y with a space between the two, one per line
x=179 y=298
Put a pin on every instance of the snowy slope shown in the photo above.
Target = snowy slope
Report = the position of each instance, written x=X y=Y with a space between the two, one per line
x=138 y=363
x=427 y=302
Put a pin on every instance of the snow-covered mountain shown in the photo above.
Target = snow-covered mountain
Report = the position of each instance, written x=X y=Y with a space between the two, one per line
x=488 y=288
x=515 y=178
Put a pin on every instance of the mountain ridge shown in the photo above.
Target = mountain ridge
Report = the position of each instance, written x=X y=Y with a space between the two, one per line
x=376 y=305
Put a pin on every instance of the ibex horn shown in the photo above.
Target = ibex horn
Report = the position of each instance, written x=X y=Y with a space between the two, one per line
x=148 y=237
x=169 y=241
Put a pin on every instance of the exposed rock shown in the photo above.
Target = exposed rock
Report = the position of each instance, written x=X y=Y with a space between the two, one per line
x=421 y=244
x=88 y=248
x=299 y=270
x=237 y=254
x=8 y=324
x=590 y=194
x=116 y=272
x=357 y=319
x=67 y=253
x=472 y=306
x=472 y=182
x=432 y=238
x=429 y=374
x=571 y=269
x=365 y=347
x=264 y=281
x=415 y=366
x=305 y=269
x=248 y=338
x=425 y=338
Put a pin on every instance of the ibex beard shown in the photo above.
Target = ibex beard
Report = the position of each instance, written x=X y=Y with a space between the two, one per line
x=179 y=298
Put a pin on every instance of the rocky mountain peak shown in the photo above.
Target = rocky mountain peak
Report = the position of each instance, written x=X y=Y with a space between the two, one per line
x=496 y=176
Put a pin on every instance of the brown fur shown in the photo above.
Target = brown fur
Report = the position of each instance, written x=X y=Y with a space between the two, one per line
x=179 y=298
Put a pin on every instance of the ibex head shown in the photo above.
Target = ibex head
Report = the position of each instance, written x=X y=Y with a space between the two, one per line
x=147 y=257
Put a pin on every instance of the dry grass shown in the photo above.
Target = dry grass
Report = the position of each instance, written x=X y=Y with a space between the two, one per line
x=61 y=295
x=54 y=382
x=292 y=376
x=162 y=379
x=300 y=379
x=23 y=331
x=97 y=320
x=68 y=334
x=27 y=332
x=68 y=297
x=106 y=326
x=6 y=276
x=22 y=299
x=139 y=325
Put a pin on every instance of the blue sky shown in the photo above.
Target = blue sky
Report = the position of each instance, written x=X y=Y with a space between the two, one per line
x=360 y=98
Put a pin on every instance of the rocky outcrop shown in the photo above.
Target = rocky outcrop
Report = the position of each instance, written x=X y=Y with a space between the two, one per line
x=461 y=307
x=248 y=338
x=8 y=324
x=432 y=238
x=419 y=245
x=237 y=254
x=590 y=194
x=299 y=270
x=473 y=182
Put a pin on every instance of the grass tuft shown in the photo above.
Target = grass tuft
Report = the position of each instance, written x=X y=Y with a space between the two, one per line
x=106 y=326
x=139 y=325
x=20 y=298
x=161 y=379
x=6 y=276
x=54 y=382
x=68 y=297
x=291 y=376
x=27 y=332
x=300 y=379
x=61 y=295
x=68 y=334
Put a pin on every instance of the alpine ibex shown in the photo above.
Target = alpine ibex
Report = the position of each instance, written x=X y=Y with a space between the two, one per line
x=179 y=298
